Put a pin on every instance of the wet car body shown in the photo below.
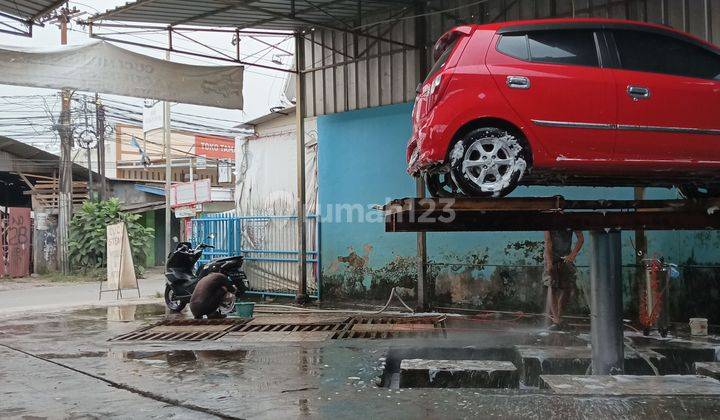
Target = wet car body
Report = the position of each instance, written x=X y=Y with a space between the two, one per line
x=589 y=101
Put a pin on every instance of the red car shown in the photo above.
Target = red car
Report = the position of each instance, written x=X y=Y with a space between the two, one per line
x=568 y=102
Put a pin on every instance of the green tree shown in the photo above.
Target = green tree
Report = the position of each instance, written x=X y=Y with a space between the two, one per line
x=88 y=235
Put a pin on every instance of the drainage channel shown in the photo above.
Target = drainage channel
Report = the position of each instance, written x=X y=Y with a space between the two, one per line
x=183 y=330
x=368 y=327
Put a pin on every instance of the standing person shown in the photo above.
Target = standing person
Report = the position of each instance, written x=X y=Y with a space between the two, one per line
x=559 y=274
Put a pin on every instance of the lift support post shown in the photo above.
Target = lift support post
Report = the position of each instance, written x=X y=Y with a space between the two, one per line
x=606 y=334
x=603 y=218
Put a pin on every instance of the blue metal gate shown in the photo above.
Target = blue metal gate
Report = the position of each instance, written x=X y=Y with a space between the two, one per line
x=269 y=245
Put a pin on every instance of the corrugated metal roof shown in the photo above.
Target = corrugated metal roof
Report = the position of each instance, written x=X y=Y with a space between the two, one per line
x=267 y=117
x=255 y=14
x=46 y=162
x=30 y=10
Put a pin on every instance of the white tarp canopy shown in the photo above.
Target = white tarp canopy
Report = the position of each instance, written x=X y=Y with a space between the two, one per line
x=104 y=68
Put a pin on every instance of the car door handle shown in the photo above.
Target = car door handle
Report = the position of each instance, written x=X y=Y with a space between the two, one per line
x=518 y=82
x=637 y=92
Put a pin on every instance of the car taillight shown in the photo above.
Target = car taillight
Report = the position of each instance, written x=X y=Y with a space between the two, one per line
x=437 y=88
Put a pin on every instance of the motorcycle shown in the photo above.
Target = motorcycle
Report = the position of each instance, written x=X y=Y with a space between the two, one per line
x=181 y=279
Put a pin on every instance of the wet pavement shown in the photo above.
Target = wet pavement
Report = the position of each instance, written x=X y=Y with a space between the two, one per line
x=76 y=372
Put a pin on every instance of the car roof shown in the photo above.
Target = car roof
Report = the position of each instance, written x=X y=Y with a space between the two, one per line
x=567 y=22
x=580 y=23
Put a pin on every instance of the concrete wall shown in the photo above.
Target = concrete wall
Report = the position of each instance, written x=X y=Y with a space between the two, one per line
x=361 y=162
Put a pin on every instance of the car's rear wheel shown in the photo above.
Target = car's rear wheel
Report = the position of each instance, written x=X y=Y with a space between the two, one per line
x=699 y=191
x=441 y=184
x=488 y=162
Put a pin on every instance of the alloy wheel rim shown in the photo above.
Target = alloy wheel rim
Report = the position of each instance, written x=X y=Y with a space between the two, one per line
x=490 y=162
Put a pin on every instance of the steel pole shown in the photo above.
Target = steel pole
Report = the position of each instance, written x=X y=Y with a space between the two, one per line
x=168 y=171
x=606 y=302
x=300 y=145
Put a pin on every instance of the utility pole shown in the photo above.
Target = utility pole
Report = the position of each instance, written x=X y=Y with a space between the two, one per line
x=100 y=127
x=65 y=199
x=168 y=170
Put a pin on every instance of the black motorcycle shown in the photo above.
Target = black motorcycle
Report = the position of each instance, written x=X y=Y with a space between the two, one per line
x=181 y=279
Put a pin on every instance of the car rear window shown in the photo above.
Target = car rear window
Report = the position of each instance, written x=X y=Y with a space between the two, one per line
x=575 y=46
x=442 y=59
x=657 y=53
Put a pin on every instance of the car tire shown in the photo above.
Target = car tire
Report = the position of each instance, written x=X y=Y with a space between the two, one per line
x=691 y=191
x=441 y=185
x=488 y=162
x=175 y=305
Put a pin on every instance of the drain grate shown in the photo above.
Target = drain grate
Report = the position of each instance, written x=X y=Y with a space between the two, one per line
x=255 y=328
x=236 y=329
x=379 y=327
x=183 y=330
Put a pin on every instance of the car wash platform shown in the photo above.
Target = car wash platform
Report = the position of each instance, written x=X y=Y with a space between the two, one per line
x=605 y=219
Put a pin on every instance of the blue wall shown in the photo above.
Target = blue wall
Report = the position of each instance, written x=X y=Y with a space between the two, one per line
x=361 y=162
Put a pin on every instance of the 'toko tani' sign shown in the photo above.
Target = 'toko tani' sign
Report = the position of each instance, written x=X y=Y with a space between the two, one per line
x=215 y=147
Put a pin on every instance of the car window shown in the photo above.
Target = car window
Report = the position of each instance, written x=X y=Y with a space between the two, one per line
x=442 y=59
x=514 y=45
x=656 y=53
x=570 y=46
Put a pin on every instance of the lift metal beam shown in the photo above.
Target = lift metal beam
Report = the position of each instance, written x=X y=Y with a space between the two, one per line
x=548 y=213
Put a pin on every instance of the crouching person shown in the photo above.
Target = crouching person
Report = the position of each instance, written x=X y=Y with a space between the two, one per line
x=209 y=293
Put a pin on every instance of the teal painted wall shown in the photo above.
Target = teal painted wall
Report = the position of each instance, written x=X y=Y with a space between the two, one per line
x=361 y=163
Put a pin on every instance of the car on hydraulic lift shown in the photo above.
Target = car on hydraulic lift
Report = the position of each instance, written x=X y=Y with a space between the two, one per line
x=596 y=102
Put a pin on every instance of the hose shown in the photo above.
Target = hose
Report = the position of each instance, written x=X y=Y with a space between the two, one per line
x=293 y=309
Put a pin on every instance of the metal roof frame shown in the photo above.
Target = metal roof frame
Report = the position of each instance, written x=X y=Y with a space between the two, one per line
x=247 y=18
x=26 y=13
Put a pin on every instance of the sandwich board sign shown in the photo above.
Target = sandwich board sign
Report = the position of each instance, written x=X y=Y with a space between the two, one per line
x=120 y=267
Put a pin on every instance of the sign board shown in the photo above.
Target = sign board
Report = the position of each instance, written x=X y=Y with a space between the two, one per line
x=190 y=193
x=185 y=211
x=215 y=147
x=152 y=115
x=224 y=171
x=41 y=221
x=201 y=162
x=202 y=191
x=120 y=267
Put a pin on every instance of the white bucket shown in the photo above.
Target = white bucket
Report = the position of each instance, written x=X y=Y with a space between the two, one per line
x=698 y=326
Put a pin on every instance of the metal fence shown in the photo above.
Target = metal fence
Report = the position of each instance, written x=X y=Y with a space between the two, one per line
x=269 y=245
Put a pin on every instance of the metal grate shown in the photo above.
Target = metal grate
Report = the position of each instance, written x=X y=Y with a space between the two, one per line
x=371 y=327
x=320 y=327
x=183 y=330
x=391 y=327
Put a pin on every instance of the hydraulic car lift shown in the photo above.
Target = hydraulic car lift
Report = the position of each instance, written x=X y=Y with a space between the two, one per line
x=603 y=218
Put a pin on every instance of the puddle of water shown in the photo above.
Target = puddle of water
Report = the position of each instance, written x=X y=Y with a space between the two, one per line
x=121 y=313
x=181 y=357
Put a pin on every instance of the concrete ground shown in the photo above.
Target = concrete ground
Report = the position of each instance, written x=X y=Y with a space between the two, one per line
x=61 y=365
x=33 y=295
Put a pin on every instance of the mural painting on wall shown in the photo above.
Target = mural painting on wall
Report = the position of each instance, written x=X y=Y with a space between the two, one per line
x=467 y=280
